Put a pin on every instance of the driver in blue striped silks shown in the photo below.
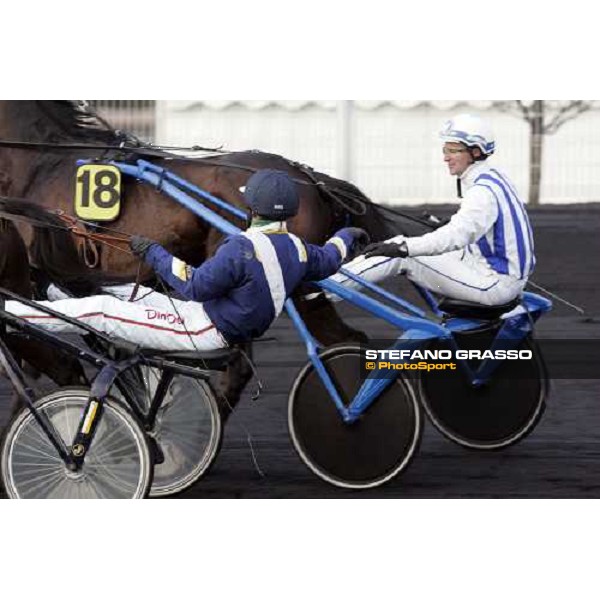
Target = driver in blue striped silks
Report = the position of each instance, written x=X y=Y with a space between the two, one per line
x=232 y=297
x=485 y=253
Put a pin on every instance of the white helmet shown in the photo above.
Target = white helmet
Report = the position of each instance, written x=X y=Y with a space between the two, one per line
x=471 y=131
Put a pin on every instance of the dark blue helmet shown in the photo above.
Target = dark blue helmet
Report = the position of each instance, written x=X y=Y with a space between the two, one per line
x=272 y=194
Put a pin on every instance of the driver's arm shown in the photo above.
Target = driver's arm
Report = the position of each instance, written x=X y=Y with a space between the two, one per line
x=477 y=215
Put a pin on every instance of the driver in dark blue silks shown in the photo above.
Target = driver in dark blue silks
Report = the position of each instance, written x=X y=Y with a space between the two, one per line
x=232 y=297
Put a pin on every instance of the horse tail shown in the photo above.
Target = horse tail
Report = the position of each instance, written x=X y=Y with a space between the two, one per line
x=53 y=253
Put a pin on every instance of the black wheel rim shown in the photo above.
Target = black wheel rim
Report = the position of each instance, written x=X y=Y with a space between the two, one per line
x=364 y=453
x=494 y=415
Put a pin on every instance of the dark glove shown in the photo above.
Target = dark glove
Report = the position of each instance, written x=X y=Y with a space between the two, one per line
x=361 y=237
x=360 y=240
x=139 y=245
x=387 y=249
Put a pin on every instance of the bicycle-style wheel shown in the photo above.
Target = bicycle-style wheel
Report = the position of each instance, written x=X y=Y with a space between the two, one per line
x=118 y=463
x=361 y=455
x=188 y=430
x=495 y=415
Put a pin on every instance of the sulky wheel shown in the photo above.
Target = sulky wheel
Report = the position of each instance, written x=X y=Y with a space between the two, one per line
x=187 y=430
x=496 y=415
x=360 y=455
x=118 y=463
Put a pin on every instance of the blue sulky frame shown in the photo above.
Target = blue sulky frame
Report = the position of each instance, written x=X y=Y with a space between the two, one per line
x=417 y=328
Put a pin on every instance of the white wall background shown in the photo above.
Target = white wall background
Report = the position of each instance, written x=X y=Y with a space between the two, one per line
x=395 y=152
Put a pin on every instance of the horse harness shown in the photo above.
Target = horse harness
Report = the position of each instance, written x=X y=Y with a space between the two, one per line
x=348 y=201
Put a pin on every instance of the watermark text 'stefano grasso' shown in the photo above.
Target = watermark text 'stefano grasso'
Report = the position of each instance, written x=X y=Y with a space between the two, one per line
x=564 y=359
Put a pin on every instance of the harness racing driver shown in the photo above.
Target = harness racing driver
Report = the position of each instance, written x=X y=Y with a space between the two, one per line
x=231 y=298
x=485 y=253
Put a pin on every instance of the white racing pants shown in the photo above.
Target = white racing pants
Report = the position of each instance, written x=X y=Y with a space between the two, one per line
x=459 y=275
x=152 y=320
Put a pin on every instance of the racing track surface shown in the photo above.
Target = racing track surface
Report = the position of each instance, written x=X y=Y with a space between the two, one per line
x=560 y=459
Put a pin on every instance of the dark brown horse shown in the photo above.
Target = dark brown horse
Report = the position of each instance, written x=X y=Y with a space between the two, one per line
x=44 y=173
x=14 y=262
x=14 y=276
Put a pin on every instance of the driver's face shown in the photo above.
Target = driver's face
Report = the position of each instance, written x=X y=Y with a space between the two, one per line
x=457 y=157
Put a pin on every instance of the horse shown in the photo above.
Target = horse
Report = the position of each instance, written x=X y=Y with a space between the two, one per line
x=40 y=142
x=15 y=277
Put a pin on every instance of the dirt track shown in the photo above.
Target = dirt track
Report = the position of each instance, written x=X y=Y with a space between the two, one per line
x=561 y=458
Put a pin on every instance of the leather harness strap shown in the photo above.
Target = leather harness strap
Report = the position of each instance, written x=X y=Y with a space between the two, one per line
x=74 y=225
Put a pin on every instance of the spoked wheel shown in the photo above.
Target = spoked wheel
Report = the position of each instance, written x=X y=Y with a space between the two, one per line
x=188 y=431
x=118 y=463
x=361 y=455
x=496 y=415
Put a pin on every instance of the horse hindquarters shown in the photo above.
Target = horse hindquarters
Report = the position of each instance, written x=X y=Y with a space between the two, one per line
x=15 y=276
x=14 y=260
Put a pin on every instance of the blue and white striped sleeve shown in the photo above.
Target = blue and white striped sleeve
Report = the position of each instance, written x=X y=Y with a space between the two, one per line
x=477 y=215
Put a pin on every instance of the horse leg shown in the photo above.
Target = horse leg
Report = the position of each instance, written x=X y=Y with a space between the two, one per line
x=325 y=324
x=61 y=369
x=233 y=380
x=38 y=359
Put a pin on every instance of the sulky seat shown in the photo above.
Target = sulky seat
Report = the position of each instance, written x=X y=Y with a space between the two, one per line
x=472 y=310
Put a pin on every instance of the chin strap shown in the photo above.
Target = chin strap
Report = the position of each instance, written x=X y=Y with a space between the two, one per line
x=476 y=159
